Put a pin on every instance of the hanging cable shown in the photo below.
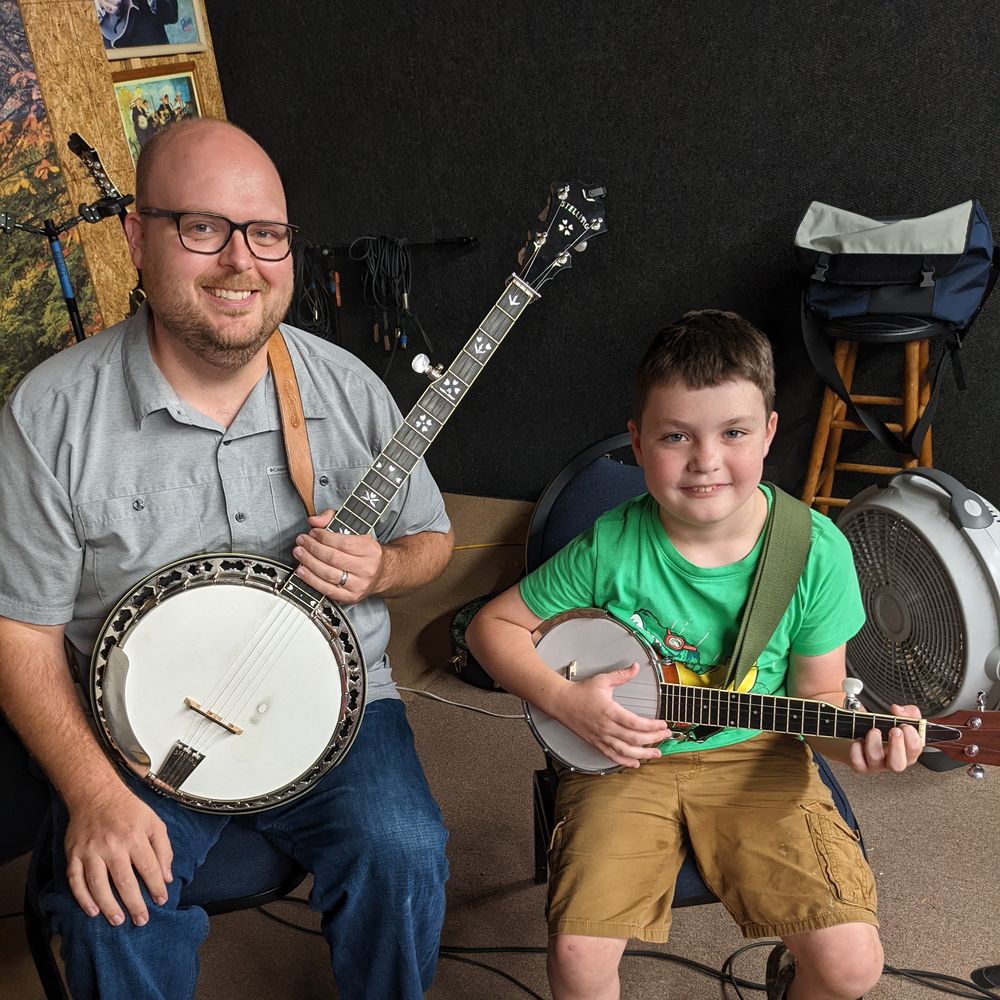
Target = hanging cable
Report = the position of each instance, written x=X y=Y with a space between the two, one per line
x=386 y=283
x=314 y=300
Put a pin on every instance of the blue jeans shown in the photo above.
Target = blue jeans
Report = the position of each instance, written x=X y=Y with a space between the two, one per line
x=371 y=834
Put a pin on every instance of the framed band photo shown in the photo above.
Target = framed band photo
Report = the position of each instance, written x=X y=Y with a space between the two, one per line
x=139 y=28
x=153 y=98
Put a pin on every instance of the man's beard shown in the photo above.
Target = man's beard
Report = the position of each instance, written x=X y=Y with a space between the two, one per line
x=195 y=331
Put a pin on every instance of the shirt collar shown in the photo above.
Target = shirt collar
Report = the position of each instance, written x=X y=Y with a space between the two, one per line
x=149 y=390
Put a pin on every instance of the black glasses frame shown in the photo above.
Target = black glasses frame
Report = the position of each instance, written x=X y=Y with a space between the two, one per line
x=163 y=213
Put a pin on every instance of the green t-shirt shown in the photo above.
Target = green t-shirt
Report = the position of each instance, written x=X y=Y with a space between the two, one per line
x=626 y=565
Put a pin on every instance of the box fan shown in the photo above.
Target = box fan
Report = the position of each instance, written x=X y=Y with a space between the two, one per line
x=927 y=552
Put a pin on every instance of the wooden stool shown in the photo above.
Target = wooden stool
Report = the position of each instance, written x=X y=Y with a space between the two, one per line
x=914 y=334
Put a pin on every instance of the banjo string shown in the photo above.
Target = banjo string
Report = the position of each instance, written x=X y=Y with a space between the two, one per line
x=270 y=654
x=242 y=679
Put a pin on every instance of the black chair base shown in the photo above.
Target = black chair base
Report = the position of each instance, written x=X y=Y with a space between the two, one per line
x=988 y=977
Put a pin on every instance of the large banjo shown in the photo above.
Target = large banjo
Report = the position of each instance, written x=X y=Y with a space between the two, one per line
x=223 y=680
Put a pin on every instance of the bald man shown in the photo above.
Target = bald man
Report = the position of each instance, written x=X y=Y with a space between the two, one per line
x=159 y=438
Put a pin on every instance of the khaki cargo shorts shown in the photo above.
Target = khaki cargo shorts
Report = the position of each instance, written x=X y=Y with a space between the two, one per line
x=768 y=840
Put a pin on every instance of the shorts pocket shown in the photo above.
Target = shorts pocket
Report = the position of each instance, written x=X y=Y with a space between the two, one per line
x=838 y=850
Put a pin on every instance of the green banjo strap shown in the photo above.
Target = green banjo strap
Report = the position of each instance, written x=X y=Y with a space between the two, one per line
x=787 y=534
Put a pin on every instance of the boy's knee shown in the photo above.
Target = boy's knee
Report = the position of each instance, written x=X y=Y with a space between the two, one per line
x=843 y=961
x=578 y=963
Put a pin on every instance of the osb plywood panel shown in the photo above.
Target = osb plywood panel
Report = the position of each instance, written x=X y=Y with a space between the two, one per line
x=74 y=76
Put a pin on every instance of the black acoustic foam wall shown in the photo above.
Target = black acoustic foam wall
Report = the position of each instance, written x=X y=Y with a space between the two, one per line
x=712 y=125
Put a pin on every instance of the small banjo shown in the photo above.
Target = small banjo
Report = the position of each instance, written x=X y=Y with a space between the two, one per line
x=586 y=642
x=227 y=683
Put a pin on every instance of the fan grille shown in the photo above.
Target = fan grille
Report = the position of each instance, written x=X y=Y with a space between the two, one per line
x=912 y=647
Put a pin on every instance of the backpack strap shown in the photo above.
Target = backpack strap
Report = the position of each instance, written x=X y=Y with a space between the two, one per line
x=819 y=354
x=787 y=536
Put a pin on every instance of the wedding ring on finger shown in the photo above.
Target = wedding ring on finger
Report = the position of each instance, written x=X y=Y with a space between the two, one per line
x=342 y=582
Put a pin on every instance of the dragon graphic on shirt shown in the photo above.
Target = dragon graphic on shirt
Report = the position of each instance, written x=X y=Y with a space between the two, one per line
x=671 y=645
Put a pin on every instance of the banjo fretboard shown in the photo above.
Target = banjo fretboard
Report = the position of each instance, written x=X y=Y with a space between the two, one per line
x=777 y=714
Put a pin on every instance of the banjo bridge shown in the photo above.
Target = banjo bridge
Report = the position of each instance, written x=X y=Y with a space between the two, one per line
x=195 y=706
x=177 y=768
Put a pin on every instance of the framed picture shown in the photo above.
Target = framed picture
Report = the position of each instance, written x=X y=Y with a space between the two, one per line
x=138 y=28
x=153 y=98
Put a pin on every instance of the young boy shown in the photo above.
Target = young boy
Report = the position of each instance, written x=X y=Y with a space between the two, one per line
x=765 y=832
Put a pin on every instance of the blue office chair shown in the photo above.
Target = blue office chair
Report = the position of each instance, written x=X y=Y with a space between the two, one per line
x=599 y=478
x=242 y=870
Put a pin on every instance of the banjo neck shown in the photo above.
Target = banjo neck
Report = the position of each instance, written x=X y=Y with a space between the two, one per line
x=361 y=511
x=715 y=707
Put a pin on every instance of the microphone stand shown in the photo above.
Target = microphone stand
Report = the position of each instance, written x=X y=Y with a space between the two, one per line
x=103 y=208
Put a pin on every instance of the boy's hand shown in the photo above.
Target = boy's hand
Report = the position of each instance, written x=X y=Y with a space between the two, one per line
x=588 y=709
x=870 y=754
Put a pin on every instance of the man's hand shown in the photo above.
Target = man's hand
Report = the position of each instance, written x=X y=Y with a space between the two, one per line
x=588 y=709
x=870 y=754
x=112 y=842
x=325 y=556
x=349 y=568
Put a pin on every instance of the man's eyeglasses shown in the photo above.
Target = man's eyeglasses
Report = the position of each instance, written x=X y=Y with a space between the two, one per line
x=200 y=232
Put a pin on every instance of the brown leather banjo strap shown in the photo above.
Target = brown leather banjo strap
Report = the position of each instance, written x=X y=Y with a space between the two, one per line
x=293 y=421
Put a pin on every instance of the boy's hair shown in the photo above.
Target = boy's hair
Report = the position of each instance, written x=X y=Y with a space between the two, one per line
x=704 y=348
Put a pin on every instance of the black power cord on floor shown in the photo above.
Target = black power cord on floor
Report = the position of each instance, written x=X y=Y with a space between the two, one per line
x=725 y=976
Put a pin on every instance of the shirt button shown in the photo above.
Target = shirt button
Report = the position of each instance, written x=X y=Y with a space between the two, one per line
x=227 y=442
x=137 y=505
x=324 y=480
x=240 y=516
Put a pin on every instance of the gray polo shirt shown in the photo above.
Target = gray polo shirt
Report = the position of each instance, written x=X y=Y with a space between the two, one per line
x=106 y=475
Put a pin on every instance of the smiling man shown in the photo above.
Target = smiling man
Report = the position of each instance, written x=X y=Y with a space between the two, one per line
x=161 y=438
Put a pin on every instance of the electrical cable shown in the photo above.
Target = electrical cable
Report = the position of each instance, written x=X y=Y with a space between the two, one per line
x=459 y=704
x=491 y=968
x=314 y=305
x=724 y=976
x=933 y=980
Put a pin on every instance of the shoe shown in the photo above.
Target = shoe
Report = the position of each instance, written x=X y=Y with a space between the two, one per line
x=780 y=972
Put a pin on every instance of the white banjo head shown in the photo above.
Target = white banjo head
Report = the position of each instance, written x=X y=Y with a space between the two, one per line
x=596 y=643
x=263 y=691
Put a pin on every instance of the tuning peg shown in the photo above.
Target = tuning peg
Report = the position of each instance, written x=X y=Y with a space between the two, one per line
x=976 y=771
x=421 y=364
x=852 y=688
x=580 y=247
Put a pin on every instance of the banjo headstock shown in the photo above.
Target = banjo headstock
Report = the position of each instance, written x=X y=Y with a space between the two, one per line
x=972 y=737
x=573 y=215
